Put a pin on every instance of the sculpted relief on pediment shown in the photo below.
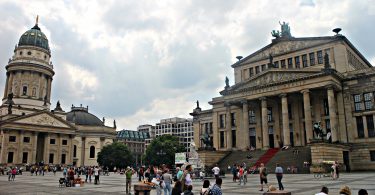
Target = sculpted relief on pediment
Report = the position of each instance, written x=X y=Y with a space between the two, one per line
x=43 y=119
x=275 y=77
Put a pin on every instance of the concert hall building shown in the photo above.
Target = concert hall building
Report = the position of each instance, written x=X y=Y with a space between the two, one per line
x=284 y=88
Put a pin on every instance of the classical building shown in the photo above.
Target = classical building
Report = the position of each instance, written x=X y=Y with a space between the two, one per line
x=147 y=129
x=30 y=131
x=136 y=142
x=179 y=127
x=282 y=90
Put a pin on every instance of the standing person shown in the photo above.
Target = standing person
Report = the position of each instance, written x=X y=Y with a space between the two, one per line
x=90 y=173
x=147 y=175
x=159 y=182
x=334 y=175
x=263 y=176
x=177 y=188
x=96 y=174
x=362 y=192
x=324 y=191
x=54 y=170
x=206 y=187
x=167 y=177
x=240 y=175
x=141 y=174
x=216 y=171
x=345 y=190
x=128 y=174
x=234 y=172
x=71 y=177
x=279 y=175
x=189 y=190
x=337 y=169
x=186 y=178
x=216 y=188
x=245 y=172
x=14 y=173
x=179 y=173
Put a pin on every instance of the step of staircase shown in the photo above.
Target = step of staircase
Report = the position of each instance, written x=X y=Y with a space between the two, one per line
x=238 y=157
x=289 y=158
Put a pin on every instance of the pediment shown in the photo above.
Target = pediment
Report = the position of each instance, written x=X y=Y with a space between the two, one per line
x=284 y=46
x=43 y=119
x=273 y=77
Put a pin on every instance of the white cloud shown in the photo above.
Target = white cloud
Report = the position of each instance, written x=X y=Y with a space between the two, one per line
x=81 y=81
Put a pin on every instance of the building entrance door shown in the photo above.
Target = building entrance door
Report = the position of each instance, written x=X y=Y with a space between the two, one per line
x=272 y=145
x=253 y=141
x=345 y=155
x=40 y=148
x=291 y=139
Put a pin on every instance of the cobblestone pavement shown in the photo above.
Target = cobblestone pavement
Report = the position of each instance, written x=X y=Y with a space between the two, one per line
x=299 y=184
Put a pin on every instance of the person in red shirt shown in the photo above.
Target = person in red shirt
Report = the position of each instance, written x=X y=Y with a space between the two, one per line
x=240 y=175
x=14 y=173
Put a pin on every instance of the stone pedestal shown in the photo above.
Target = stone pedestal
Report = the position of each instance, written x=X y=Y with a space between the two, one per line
x=210 y=158
x=277 y=193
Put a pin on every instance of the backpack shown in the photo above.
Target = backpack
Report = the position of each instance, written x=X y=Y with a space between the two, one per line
x=264 y=172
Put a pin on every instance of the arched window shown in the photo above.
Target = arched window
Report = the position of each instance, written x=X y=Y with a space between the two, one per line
x=24 y=90
x=92 y=151
x=75 y=151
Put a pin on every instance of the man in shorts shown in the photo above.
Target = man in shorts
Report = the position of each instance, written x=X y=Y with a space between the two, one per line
x=263 y=176
x=129 y=173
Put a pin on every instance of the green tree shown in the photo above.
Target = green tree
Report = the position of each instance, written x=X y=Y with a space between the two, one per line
x=116 y=154
x=162 y=150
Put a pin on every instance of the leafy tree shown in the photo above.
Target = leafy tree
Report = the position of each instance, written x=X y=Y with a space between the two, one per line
x=116 y=154
x=162 y=150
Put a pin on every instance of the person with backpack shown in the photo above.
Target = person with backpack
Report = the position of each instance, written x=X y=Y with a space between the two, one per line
x=206 y=187
x=263 y=176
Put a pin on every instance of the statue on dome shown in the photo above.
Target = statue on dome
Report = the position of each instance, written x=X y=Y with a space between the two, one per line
x=10 y=102
x=285 y=29
x=197 y=104
x=226 y=82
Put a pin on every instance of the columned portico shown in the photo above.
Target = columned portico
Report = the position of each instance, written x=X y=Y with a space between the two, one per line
x=285 y=117
x=332 y=112
x=264 y=123
x=34 y=150
x=228 y=127
x=307 y=113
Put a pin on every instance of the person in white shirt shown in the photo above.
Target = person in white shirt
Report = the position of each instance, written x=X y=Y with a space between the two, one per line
x=216 y=171
x=96 y=174
x=324 y=191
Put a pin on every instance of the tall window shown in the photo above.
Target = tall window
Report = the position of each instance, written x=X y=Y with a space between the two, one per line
x=234 y=138
x=357 y=102
x=312 y=59
x=269 y=114
x=326 y=107
x=320 y=57
x=290 y=63
x=328 y=124
x=75 y=151
x=252 y=119
x=297 y=62
x=360 y=129
x=370 y=126
x=368 y=101
x=372 y=155
x=222 y=119
x=233 y=119
x=304 y=60
x=257 y=70
x=222 y=139
x=24 y=90
x=251 y=70
x=283 y=65
x=24 y=157
x=50 y=160
x=92 y=151
x=290 y=111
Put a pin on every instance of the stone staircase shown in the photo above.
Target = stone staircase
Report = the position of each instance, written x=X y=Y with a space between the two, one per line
x=237 y=157
x=288 y=158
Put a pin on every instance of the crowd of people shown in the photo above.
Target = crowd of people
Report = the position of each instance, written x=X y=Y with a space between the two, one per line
x=344 y=190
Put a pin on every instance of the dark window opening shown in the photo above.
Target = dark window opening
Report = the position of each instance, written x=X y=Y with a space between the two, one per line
x=24 y=157
x=263 y=67
x=52 y=141
x=10 y=157
x=360 y=128
x=24 y=90
x=257 y=70
x=222 y=119
x=63 y=158
x=326 y=107
x=282 y=63
x=222 y=139
x=370 y=125
x=26 y=139
x=92 y=151
x=252 y=119
x=50 y=160
x=234 y=138
x=312 y=59
x=320 y=57
x=290 y=62
x=64 y=142
x=12 y=138
x=304 y=60
x=372 y=155
x=233 y=119
x=75 y=151
x=251 y=72
x=276 y=64
x=269 y=114
x=296 y=60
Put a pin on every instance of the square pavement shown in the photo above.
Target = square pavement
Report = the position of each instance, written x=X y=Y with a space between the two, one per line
x=298 y=184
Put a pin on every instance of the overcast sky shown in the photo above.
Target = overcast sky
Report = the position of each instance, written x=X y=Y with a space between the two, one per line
x=142 y=61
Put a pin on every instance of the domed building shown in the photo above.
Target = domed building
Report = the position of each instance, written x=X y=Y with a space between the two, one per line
x=30 y=131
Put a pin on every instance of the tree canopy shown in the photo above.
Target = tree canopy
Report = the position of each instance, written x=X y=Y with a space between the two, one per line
x=116 y=154
x=162 y=150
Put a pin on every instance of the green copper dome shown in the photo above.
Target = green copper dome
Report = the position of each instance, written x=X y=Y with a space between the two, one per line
x=34 y=37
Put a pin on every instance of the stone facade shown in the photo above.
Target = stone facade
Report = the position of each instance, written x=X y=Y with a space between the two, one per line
x=30 y=131
x=283 y=89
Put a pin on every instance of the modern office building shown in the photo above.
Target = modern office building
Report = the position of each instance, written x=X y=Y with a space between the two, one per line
x=135 y=140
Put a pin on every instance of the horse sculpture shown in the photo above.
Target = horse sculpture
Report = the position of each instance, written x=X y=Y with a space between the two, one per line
x=318 y=130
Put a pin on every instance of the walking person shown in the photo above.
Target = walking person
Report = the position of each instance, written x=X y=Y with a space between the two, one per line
x=234 y=172
x=279 y=175
x=14 y=173
x=128 y=174
x=186 y=178
x=263 y=176
x=337 y=169
x=216 y=188
x=167 y=177
x=334 y=175
x=240 y=175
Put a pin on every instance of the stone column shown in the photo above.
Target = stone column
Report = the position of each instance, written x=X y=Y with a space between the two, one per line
x=41 y=87
x=46 y=147
x=20 y=146
x=228 y=127
x=83 y=151
x=33 y=160
x=49 y=83
x=285 y=117
x=332 y=113
x=2 y=151
x=71 y=149
x=216 y=131
x=245 y=125
x=258 y=126
x=307 y=110
x=6 y=86
x=59 y=149
x=264 y=111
